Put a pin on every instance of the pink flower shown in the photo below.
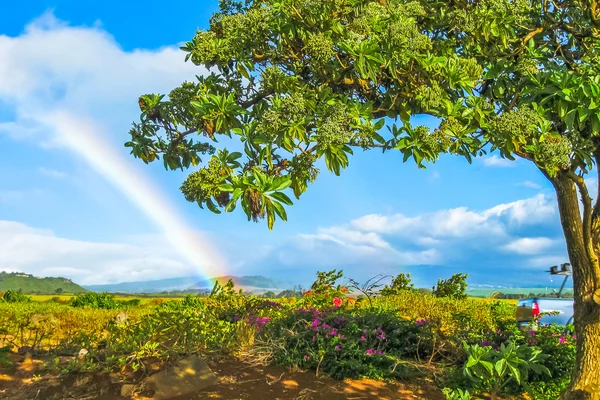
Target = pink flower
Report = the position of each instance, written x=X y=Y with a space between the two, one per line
x=307 y=357
x=369 y=352
x=363 y=338
x=337 y=302
x=337 y=348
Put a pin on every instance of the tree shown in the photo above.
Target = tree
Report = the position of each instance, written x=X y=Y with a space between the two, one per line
x=401 y=282
x=454 y=287
x=300 y=80
x=58 y=290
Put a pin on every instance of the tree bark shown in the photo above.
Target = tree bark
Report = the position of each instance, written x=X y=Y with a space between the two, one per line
x=582 y=236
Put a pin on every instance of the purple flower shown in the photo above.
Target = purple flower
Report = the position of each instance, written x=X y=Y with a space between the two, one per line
x=422 y=321
x=562 y=340
x=315 y=324
x=365 y=331
x=236 y=318
x=369 y=352
x=363 y=338
x=379 y=352
x=575 y=337
x=306 y=357
x=325 y=326
x=485 y=343
x=333 y=332
x=337 y=348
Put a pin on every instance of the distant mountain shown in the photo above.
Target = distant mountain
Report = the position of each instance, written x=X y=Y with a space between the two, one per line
x=31 y=284
x=161 y=285
x=255 y=284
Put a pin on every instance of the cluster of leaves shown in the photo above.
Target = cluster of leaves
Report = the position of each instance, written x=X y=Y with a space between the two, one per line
x=454 y=287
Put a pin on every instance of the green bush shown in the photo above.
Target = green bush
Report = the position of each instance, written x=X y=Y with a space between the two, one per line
x=103 y=301
x=13 y=296
x=454 y=287
x=400 y=283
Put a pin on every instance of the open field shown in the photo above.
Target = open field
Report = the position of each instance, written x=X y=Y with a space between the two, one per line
x=67 y=297
x=487 y=292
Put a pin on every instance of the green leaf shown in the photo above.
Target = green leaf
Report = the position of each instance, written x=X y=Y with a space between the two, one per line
x=280 y=183
x=501 y=367
x=211 y=206
x=231 y=205
x=280 y=210
x=225 y=187
x=281 y=197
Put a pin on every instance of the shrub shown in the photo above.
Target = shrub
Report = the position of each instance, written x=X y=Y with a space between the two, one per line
x=400 y=283
x=104 y=301
x=12 y=296
x=495 y=369
x=454 y=287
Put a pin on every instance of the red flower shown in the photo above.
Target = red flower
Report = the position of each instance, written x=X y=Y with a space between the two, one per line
x=308 y=293
x=337 y=302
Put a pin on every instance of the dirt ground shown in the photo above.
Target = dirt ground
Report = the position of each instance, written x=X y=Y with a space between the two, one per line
x=236 y=381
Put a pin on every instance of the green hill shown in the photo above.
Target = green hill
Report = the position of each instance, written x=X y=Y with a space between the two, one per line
x=31 y=284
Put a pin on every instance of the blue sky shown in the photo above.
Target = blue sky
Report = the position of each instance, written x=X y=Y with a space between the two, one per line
x=74 y=203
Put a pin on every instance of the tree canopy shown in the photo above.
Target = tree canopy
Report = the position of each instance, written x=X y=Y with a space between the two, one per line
x=301 y=80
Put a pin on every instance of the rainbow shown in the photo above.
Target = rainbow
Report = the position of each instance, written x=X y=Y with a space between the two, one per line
x=80 y=135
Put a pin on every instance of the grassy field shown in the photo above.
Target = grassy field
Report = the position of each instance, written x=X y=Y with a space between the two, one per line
x=67 y=297
x=487 y=292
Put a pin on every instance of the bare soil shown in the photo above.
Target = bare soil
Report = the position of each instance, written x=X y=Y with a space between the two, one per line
x=236 y=381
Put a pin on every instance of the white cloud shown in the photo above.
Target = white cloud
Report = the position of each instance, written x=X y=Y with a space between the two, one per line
x=460 y=222
x=42 y=253
x=530 y=245
x=52 y=173
x=530 y=211
x=530 y=185
x=496 y=161
x=437 y=238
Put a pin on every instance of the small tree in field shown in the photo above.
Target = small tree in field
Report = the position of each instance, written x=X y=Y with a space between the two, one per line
x=400 y=283
x=300 y=80
x=454 y=287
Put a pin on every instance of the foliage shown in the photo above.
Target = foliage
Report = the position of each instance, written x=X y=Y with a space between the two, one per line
x=105 y=301
x=457 y=394
x=494 y=369
x=400 y=283
x=12 y=296
x=454 y=287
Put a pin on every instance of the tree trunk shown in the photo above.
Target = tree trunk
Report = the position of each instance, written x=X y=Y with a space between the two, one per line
x=583 y=245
